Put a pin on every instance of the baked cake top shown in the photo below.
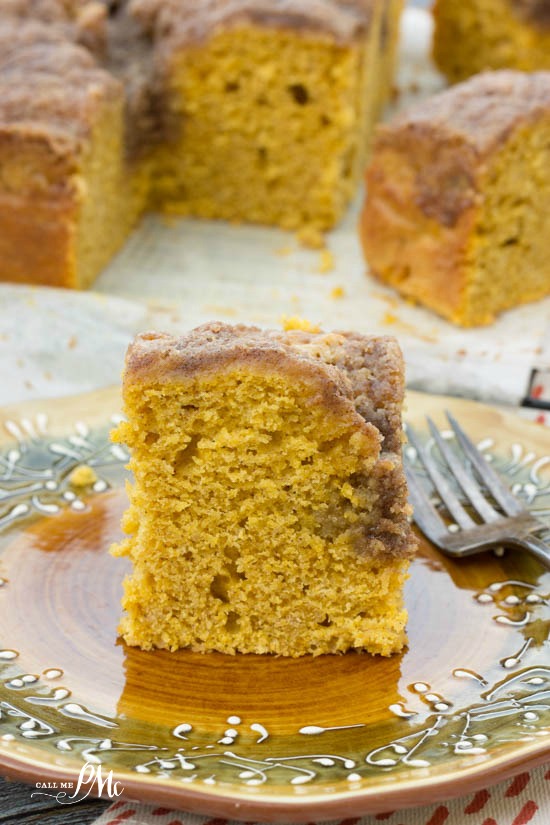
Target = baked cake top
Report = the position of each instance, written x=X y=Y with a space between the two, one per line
x=480 y=112
x=356 y=374
x=48 y=84
x=448 y=138
x=48 y=11
x=60 y=58
x=192 y=20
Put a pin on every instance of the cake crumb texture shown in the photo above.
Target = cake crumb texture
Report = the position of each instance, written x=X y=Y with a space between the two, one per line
x=269 y=508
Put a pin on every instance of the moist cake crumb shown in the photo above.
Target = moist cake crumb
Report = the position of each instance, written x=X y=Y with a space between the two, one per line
x=268 y=512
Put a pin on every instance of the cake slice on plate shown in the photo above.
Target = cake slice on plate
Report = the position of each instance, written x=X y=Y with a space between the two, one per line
x=269 y=508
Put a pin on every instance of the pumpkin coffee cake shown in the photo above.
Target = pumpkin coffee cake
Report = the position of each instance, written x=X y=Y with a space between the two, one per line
x=474 y=35
x=247 y=110
x=269 y=508
x=457 y=214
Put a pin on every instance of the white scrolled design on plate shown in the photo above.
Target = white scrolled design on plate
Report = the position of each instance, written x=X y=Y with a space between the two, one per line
x=35 y=480
x=35 y=476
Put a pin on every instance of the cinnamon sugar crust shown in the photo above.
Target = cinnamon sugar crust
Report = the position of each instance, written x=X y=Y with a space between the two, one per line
x=49 y=86
x=343 y=20
x=481 y=112
x=364 y=370
x=47 y=11
x=458 y=130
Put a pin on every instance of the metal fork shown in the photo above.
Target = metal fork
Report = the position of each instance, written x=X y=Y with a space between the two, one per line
x=513 y=527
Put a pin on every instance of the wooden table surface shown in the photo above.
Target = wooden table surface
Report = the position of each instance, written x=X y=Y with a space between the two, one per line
x=18 y=808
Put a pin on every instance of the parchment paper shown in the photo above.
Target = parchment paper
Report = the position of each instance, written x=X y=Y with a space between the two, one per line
x=175 y=274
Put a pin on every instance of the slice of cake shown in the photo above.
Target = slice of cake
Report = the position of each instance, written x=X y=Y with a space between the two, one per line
x=474 y=35
x=269 y=508
x=277 y=103
x=457 y=215
x=66 y=204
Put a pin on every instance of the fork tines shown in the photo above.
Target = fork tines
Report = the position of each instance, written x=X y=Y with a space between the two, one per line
x=473 y=491
x=483 y=492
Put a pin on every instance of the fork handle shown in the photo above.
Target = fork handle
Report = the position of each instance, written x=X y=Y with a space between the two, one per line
x=537 y=547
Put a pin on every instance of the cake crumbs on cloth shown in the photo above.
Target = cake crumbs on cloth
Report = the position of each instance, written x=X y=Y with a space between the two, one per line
x=326 y=261
x=337 y=292
x=283 y=251
x=289 y=322
x=311 y=238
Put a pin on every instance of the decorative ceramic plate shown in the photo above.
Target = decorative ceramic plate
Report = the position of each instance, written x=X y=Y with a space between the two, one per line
x=258 y=737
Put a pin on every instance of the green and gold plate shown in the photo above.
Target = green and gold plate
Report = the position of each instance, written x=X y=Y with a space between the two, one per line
x=258 y=737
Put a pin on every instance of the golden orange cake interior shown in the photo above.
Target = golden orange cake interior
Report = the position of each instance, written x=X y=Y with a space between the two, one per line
x=474 y=35
x=237 y=109
x=457 y=213
x=268 y=511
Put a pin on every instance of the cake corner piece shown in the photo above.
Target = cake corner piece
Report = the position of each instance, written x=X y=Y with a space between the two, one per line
x=268 y=512
x=259 y=111
x=458 y=195
x=476 y=35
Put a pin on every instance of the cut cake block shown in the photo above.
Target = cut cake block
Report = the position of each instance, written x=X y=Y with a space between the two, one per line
x=66 y=204
x=474 y=35
x=457 y=213
x=277 y=101
x=269 y=508
x=250 y=110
